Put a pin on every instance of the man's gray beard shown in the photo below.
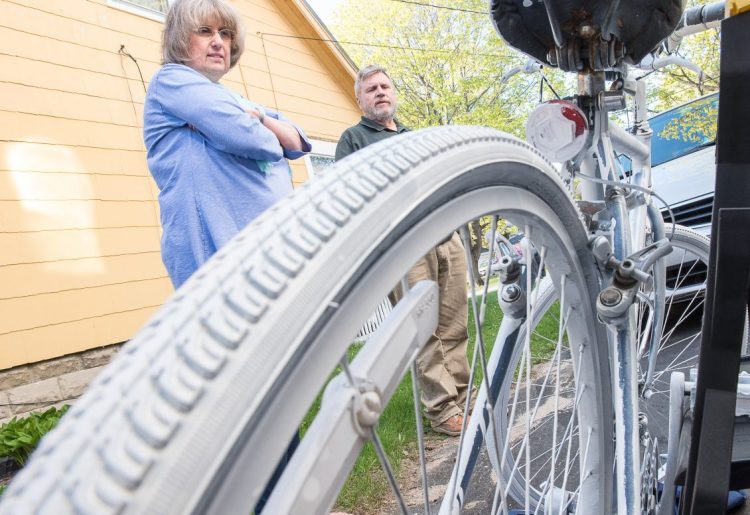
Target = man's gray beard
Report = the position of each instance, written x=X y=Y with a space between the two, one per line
x=383 y=117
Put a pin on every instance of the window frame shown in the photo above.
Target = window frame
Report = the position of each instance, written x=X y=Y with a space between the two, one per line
x=319 y=148
x=139 y=10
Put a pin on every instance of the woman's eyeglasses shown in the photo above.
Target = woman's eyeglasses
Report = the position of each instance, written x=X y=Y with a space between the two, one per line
x=208 y=33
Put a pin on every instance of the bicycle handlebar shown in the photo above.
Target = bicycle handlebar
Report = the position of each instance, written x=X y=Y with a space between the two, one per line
x=652 y=63
x=531 y=66
x=695 y=19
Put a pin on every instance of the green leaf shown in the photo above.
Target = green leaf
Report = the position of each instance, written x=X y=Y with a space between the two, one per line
x=19 y=437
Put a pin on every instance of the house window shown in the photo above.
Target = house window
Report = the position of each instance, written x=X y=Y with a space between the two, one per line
x=154 y=5
x=321 y=157
x=154 y=9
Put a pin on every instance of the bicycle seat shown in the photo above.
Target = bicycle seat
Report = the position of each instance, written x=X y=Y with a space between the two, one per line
x=577 y=35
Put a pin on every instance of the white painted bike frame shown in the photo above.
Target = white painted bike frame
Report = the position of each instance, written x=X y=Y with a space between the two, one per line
x=628 y=235
x=631 y=219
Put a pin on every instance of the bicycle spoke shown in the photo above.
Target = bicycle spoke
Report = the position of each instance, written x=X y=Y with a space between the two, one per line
x=527 y=347
x=488 y=273
x=478 y=352
x=561 y=330
x=386 y=466
x=420 y=439
x=418 y=418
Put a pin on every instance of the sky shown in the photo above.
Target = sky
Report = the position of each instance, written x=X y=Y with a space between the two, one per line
x=324 y=8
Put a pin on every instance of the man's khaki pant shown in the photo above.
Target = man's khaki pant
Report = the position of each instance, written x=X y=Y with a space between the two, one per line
x=442 y=365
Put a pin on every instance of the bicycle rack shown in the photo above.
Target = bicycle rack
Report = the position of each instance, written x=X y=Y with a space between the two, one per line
x=719 y=457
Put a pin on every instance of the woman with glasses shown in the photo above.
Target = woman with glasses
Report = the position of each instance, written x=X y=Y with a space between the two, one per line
x=219 y=160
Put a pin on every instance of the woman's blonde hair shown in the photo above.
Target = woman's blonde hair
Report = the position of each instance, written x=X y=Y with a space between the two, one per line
x=185 y=16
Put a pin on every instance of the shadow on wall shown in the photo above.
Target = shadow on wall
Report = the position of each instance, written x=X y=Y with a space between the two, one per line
x=80 y=266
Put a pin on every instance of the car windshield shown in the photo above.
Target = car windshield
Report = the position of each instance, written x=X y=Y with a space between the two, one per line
x=684 y=130
x=680 y=131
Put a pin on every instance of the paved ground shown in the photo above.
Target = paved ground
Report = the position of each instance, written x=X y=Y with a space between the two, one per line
x=440 y=457
x=441 y=453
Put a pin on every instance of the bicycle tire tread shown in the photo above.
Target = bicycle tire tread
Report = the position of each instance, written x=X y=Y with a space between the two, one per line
x=149 y=411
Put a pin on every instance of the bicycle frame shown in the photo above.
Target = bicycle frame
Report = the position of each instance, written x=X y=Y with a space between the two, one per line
x=632 y=213
x=634 y=219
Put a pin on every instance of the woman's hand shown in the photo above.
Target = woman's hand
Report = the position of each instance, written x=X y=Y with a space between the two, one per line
x=287 y=135
x=256 y=113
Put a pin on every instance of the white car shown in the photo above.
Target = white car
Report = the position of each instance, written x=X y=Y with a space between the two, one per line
x=683 y=173
x=684 y=163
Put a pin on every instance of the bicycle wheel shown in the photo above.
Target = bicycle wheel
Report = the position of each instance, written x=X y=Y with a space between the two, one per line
x=679 y=341
x=196 y=409
x=544 y=434
x=677 y=351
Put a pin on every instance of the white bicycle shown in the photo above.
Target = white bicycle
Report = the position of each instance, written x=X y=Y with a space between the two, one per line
x=197 y=409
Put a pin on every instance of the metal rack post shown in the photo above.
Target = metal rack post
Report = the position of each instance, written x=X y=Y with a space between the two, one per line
x=709 y=470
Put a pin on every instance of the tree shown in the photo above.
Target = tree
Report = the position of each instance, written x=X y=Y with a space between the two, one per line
x=447 y=66
x=676 y=85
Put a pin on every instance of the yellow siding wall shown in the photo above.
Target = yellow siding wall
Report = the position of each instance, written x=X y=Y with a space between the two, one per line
x=79 y=224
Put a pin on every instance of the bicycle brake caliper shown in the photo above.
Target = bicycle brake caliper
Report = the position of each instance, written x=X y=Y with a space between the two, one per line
x=614 y=300
x=511 y=294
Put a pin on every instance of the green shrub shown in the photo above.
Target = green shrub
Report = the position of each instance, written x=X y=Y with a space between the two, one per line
x=19 y=437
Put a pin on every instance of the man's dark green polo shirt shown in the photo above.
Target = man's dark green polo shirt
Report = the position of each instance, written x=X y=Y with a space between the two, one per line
x=366 y=132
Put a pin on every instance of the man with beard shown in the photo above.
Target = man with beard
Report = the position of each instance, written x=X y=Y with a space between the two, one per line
x=442 y=365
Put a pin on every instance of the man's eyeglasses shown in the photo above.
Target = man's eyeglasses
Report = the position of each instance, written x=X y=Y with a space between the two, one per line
x=208 y=33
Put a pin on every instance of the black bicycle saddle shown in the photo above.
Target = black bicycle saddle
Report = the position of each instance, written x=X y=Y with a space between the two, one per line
x=578 y=35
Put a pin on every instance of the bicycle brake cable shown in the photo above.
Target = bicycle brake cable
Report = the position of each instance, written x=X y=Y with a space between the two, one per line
x=635 y=187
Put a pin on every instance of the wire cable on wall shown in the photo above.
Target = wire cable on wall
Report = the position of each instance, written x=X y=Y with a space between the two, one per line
x=268 y=66
x=122 y=51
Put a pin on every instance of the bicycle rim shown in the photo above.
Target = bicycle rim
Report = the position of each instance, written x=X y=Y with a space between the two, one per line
x=544 y=416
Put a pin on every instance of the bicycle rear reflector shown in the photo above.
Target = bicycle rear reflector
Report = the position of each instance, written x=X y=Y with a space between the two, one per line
x=558 y=129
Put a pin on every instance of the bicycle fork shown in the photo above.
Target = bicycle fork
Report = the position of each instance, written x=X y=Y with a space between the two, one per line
x=616 y=308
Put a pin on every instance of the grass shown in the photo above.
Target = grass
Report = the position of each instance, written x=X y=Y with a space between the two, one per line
x=544 y=340
x=366 y=487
